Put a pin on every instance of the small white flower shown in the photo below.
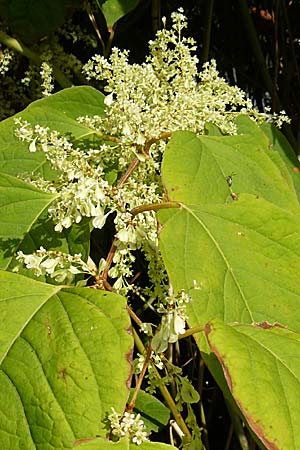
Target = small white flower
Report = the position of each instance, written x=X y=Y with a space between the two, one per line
x=108 y=101
x=32 y=145
x=50 y=264
x=66 y=222
x=179 y=324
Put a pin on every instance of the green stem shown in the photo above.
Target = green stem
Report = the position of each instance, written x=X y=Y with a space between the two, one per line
x=191 y=331
x=154 y=207
x=204 y=427
x=107 y=49
x=19 y=47
x=201 y=407
x=94 y=23
x=238 y=427
x=164 y=391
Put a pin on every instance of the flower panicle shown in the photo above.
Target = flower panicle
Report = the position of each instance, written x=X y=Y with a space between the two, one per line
x=60 y=266
x=129 y=424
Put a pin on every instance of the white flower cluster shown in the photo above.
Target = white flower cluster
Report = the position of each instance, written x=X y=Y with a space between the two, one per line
x=47 y=78
x=174 y=318
x=59 y=266
x=129 y=425
x=155 y=359
x=83 y=190
x=6 y=57
x=166 y=93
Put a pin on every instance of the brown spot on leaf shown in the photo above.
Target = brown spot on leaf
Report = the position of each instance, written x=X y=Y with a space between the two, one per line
x=129 y=357
x=207 y=329
x=82 y=441
x=49 y=329
x=62 y=374
x=266 y=325
x=295 y=169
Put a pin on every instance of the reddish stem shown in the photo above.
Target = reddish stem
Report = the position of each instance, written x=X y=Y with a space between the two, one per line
x=131 y=405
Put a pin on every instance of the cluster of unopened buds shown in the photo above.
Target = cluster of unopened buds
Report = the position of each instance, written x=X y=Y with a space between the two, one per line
x=128 y=425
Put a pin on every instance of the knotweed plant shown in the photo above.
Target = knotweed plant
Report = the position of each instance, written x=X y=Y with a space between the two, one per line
x=119 y=172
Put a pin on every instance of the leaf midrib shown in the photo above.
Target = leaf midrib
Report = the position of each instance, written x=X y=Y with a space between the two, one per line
x=221 y=253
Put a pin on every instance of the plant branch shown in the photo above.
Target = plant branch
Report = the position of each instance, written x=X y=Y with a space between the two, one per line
x=191 y=331
x=94 y=23
x=146 y=150
x=129 y=171
x=138 y=209
x=140 y=379
x=154 y=207
x=164 y=391
x=151 y=141
x=109 y=260
x=134 y=317
x=107 y=49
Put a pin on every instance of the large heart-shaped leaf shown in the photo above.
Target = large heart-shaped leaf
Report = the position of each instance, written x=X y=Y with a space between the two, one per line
x=244 y=254
x=65 y=360
x=261 y=364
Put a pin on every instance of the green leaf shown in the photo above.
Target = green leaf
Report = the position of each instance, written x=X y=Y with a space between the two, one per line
x=25 y=226
x=244 y=254
x=205 y=162
x=188 y=392
x=65 y=360
x=113 y=10
x=153 y=412
x=33 y=20
x=261 y=363
x=73 y=240
x=278 y=149
x=21 y=204
x=279 y=144
x=58 y=112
